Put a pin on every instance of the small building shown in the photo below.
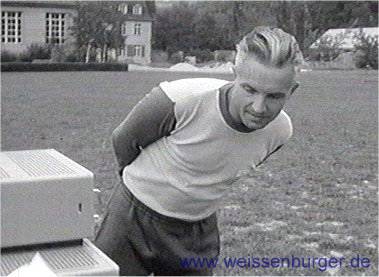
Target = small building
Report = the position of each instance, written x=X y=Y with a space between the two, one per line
x=137 y=31
x=336 y=48
x=35 y=22
x=345 y=38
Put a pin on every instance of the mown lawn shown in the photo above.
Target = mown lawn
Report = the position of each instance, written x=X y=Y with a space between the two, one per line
x=317 y=197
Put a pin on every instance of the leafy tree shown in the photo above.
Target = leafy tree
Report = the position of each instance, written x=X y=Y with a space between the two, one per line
x=327 y=47
x=366 y=48
x=209 y=25
x=308 y=20
x=98 y=25
x=174 y=28
x=221 y=24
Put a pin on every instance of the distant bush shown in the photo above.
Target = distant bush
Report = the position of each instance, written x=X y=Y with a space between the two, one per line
x=59 y=54
x=64 y=53
x=36 y=51
x=71 y=58
x=202 y=55
x=176 y=57
x=224 y=56
x=159 y=56
x=7 y=56
x=64 y=67
x=366 y=48
x=327 y=48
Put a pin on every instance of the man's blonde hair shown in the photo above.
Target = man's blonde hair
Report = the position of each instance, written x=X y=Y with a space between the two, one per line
x=268 y=45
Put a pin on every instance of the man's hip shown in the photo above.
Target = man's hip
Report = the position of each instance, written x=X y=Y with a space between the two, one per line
x=143 y=241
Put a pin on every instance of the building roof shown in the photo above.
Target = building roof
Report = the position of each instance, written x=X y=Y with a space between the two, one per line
x=148 y=6
x=346 y=36
x=40 y=4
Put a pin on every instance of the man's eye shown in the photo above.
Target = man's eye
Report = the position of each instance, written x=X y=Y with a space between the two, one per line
x=276 y=95
x=249 y=89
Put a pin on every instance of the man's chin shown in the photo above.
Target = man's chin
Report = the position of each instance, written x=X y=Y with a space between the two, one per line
x=255 y=124
x=252 y=125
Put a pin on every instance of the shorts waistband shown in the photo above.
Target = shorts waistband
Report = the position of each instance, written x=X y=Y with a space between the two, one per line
x=155 y=214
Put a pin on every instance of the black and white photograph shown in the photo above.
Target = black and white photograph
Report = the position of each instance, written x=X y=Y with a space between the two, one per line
x=202 y=138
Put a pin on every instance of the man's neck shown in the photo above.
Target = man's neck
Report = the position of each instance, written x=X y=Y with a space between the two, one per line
x=225 y=95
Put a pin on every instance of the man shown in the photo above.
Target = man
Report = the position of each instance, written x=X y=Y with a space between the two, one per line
x=181 y=148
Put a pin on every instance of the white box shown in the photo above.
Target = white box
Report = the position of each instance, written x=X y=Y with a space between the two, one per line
x=45 y=197
x=70 y=260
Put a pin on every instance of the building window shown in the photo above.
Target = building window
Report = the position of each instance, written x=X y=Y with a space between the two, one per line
x=55 y=28
x=123 y=8
x=123 y=29
x=139 y=50
x=136 y=51
x=137 y=28
x=10 y=27
x=137 y=9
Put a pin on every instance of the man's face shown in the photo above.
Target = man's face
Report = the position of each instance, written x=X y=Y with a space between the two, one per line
x=259 y=93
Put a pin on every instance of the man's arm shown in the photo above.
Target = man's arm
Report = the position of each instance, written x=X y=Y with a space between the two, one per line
x=282 y=132
x=265 y=158
x=151 y=119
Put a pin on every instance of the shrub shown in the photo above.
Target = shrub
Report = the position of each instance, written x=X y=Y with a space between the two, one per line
x=7 y=56
x=176 y=57
x=327 y=48
x=63 y=67
x=36 y=51
x=64 y=53
x=57 y=54
x=366 y=48
x=202 y=55
x=224 y=56
x=72 y=57
x=159 y=56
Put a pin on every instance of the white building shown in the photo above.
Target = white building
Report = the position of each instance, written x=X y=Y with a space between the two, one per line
x=346 y=37
x=137 y=30
x=48 y=22
x=35 y=22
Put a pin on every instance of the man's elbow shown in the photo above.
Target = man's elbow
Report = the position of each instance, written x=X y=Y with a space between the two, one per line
x=115 y=138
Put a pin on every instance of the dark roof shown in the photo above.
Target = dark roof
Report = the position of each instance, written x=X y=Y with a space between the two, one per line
x=148 y=7
x=148 y=10
x=132 y=17
x=40 y=4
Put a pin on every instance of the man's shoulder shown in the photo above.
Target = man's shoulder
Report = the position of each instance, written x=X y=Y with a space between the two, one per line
x=183 y=88
x=282 y=126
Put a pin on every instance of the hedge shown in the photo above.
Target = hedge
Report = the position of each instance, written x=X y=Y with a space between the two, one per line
x=19 y=66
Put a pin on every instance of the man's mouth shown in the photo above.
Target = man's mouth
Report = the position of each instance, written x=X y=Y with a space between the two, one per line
x=256 y=116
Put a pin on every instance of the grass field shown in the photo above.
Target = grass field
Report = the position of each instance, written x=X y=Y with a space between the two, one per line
x=317 y=197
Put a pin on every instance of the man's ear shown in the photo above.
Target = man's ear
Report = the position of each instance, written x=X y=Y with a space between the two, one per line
x=294 y=87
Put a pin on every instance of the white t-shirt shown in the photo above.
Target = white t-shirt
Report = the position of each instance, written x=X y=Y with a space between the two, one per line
x=186 y=174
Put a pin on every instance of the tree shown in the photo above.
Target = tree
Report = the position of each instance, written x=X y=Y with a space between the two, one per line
x=221 y=24
x=206 y=24
x=308 y=20
x=366 y=48
x=98 y=24
x=174 y=28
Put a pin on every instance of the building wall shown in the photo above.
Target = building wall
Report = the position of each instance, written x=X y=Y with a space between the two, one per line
x=143 y=39
x=33 y=26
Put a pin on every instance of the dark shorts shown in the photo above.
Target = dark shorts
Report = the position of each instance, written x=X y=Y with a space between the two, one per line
x=142 y=241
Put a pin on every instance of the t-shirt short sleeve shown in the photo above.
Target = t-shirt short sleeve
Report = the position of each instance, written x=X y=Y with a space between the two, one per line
x=186 y=94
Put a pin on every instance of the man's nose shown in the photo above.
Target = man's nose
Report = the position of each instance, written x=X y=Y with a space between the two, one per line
x=259 y=104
